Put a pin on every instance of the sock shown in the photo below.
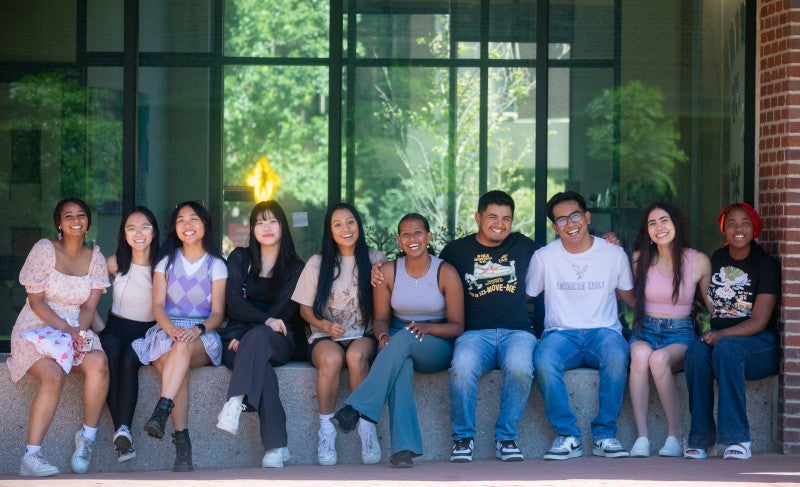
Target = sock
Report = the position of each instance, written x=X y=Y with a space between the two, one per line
x=364 y=426
x=237 y=399
x=32 y=450
x=89 y=433
x=325 y=422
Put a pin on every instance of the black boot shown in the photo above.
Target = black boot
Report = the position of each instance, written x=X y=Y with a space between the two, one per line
x=155 y=425
x=183 y=451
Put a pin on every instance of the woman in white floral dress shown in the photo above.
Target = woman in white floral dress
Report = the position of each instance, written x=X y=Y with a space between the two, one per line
x=64 y=280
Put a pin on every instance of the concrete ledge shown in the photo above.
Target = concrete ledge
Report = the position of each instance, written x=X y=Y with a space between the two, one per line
x=216 y=449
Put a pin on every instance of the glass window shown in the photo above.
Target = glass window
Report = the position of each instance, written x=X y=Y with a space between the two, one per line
x=175 y=26
x=290 y=28
x=275 y=143
x=105 y=25
x=38 y=32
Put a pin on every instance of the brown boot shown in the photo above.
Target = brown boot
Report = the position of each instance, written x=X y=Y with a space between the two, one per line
x=183 y=451
x=155 y=425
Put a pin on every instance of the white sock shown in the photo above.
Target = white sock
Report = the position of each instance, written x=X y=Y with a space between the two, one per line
x=364 y=426
x=237 y=400
x=325 y=422
x=31 y=450
x=89 y=433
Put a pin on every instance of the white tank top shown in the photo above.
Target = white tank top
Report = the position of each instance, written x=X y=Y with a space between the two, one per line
x=132 y=296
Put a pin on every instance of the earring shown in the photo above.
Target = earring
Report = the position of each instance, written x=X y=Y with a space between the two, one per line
x=60 y=234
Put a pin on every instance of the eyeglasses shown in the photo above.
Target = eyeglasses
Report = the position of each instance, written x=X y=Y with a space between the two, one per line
x=133 y=230
x=573 y=217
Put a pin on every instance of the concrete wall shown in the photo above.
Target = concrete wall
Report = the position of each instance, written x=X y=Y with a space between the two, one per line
x=214 y=448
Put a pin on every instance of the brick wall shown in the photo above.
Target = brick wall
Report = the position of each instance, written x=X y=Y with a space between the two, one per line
x=778 y=180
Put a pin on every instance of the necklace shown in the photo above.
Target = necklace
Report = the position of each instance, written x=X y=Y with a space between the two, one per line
x=417 y=279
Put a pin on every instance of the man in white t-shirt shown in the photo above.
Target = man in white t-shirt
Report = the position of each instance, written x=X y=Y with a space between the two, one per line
x=582 y=276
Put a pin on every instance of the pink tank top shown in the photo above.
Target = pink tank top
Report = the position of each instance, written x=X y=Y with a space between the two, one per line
x=658 y=292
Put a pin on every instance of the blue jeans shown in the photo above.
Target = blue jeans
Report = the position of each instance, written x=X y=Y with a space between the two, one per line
x=732 y=361
x=603 y=349
x=477 y=352
x=392 y=376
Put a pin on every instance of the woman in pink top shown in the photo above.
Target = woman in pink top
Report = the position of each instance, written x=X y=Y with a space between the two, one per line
x=666 y=276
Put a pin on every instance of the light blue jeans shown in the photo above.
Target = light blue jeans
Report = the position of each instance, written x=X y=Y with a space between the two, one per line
x=476 y=353
x=732 y=361
x=392 y=377
x=603 y=349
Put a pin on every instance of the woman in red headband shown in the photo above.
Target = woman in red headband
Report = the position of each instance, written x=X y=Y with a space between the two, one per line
x=742 y=343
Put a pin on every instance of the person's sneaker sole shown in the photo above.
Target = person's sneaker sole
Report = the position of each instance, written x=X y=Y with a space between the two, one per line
x=600 y=453
x=563 y=456
x=460 y=459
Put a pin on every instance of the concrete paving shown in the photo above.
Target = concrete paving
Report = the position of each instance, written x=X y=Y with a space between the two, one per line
x=768 y=469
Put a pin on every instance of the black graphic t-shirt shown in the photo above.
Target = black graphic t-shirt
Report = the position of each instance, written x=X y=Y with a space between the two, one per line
x=494 y=280
x=735 y=284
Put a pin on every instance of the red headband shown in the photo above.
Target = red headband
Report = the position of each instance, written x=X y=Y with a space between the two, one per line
x=751 y=213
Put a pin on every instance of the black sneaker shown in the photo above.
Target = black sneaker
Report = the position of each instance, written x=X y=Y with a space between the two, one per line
x=507 y=451
x=462 y=450
x=346 y=419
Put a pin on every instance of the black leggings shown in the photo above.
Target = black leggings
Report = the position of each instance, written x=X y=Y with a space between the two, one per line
x=123 y=366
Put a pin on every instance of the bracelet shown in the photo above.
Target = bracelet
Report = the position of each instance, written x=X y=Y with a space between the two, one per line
x=202 y=328
x=384 y=334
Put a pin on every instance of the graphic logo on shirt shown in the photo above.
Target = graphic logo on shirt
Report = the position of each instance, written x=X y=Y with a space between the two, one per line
x=579 y=284
x=580 y=270
x=489 y=276
x=730 y=293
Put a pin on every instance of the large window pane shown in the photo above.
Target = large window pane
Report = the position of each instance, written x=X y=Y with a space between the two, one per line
x=277 y=28
x=173 y=151
x=584 y=28
x=420 y=30
x=175 y=26
x=104 y=25
x=275 y=138
x=38 y=31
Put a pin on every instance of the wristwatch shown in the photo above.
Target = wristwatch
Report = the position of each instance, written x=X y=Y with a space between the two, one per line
x=202 y=328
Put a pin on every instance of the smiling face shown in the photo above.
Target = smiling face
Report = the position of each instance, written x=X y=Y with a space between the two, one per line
x=494 y=224
x=73 y=221
x=660 y=227
x=188 y=226
x=267 y=229
x=575 y=234
x=413 y=238
x=344 y=229
x=738 y=229
x=138 y=232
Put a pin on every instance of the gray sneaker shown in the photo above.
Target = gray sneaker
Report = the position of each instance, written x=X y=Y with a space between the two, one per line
x=609 y=448
x=563 y=448
x=83 y=453
x=35 y=465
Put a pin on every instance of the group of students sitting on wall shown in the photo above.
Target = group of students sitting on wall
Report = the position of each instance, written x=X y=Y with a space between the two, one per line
x=464 y=311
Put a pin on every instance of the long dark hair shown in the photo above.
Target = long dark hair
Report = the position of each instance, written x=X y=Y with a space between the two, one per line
x=425 y=223
x=173 y=243
x=124 y=252
x=648 y=255
x=287 y=256
x=330 y=266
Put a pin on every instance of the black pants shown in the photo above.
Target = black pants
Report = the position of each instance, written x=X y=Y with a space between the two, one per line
x=123 y=366
x=260 y=349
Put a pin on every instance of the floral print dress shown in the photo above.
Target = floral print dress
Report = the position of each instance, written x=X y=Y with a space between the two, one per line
x=64 y=294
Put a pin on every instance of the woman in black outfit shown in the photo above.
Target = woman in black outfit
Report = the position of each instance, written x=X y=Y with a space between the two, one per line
x=258 y=337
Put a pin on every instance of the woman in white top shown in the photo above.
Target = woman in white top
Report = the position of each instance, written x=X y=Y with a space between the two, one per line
x=335 y=298
x=188 y=304
x=130 y=317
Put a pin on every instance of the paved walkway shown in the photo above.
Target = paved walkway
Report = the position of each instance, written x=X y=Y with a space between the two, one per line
x=763 y=469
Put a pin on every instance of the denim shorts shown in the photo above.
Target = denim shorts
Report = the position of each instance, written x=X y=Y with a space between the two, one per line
x=661 y=332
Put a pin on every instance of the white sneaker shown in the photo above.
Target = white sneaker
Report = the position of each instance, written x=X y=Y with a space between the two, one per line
x=124 y=444
x=326 y=448
x=370 y=448
x=673 y=447
x=641 y=449
x=609 y=448
x=228 y=418
x=34 y=465
x=276 y=457
x=83 y=453
x=563 y=448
